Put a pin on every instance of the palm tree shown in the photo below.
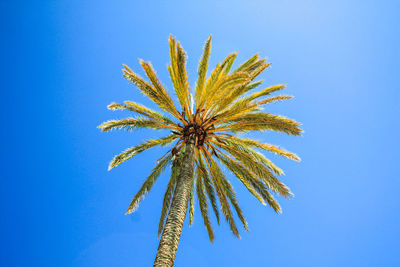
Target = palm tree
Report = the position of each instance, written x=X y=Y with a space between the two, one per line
x=203 y=137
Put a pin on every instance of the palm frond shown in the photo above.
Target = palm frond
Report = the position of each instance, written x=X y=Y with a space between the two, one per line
x=241 y=173
x=228 y=190
x=271 y=148
x=161 y=92
x=253 y=85
x=255 y=154
x=148 y=90
x=148 y=183
x=130 y=124
x=216 y=175
x=133 y=151
x=203 y=204
x=202 y=70
x=259 y=121
x=227 y=64
x=216 y=75
x=247 y=63
x=177 y=71
x=208 y=185
x=224 y=86
x=266 y=91
x=251 y=182
x=257 y=168
x=141 y=109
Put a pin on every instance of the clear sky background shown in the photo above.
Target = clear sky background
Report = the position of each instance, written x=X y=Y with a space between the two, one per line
x=61 y=65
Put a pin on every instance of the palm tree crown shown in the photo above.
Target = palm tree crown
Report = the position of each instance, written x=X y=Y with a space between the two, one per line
x=220 y=106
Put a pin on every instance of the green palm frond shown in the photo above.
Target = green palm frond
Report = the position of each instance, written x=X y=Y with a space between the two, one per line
x=148 y=183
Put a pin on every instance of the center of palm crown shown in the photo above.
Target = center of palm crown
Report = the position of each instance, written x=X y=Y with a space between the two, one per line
x=195 y=129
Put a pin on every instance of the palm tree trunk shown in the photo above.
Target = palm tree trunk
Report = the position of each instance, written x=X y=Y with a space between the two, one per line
x=177 y=213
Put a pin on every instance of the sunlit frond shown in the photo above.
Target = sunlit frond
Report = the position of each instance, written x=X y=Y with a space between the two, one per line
x=202 y=69
x=148 y=90
x=177 y=71
x=257 y=168
x=228 y=189
x=217 y=177
x=133 y=151
x=208 y=185
x=271 y=148
x=130 y=124
x=141 y=109
x=253 y=85
x=148 y=183
x=203 y=204
x=247 y=63
x=161 y=92
x=241 y=173
x=255 y=154
x=259 y=121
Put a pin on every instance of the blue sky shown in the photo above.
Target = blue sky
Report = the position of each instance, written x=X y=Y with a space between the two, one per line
x=61 y=65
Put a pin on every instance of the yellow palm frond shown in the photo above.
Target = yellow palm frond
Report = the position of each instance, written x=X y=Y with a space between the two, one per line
x=247 y=63
x=241 y=173
x=161 y=92
x=133 y=151
x=178 y=74
x=271 y=148
x=141 y=109
x=216 y=175
x=208 y=185
x=130 y=124
x=148 y=183
x=228 y=190
x=202 y=70
x=257 y=168
x=259 y=121
x=149 y=91
x=217 y=74
x=203 y=203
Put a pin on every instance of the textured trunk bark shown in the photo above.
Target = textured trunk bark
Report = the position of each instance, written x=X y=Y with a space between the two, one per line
x=177 y=213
